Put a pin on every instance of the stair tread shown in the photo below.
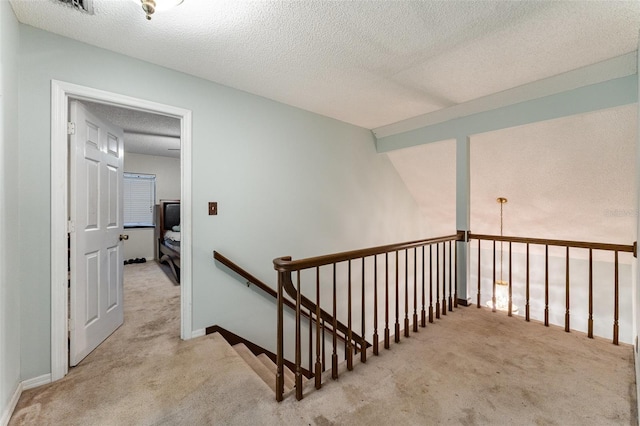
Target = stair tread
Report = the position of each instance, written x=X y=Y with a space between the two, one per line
x=261 y=370
x=289 y=376
x=235 y=367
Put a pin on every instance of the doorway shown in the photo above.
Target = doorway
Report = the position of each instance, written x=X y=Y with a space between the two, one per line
x=61 y=93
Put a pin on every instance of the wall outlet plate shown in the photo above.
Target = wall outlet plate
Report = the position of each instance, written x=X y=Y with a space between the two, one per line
x=213 y=208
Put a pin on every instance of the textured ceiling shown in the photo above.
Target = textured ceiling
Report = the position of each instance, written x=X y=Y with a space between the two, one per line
x=369 y=63
x=144 y=133
x=372 y=63
x=570 y=178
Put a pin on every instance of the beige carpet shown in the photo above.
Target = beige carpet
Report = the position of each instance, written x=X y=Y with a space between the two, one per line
x=471 y=367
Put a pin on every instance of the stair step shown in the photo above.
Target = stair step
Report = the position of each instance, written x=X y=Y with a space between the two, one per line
x=261 y=370
x=289 y=376
x=229 y=366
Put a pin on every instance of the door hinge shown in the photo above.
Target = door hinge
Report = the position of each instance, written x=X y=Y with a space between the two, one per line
x=71 y=128
x=71 y=227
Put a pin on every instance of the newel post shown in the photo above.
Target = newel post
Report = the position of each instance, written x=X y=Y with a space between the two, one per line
x=284 y=276
x=280 y=341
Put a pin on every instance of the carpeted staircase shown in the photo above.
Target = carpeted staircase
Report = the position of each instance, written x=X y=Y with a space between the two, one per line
x=265 y=368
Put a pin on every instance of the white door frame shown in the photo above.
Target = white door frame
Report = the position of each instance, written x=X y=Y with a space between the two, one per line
x=60 y=94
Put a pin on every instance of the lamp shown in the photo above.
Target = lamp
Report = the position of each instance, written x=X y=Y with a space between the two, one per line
x=151 y=6
x=502 y=287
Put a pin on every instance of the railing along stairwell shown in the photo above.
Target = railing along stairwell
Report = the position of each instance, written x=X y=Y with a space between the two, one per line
x=326 y=322
x=430 y=261
x=570 y=247
x=422 y=276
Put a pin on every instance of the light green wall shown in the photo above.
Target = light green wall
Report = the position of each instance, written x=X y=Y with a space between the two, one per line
x=9 y=214
x=608 y=94
x=287 y=182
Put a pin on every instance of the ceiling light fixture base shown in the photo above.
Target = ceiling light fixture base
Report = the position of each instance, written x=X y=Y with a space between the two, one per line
x=149 y=7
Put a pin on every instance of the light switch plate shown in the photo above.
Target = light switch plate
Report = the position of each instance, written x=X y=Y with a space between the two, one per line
x=213 y=208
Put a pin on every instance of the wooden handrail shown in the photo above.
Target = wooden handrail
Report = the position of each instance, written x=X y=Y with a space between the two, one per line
x=568 y=244
x=628 y=248
x=327 y=317
x=285 y=264
x=289 y=285
x=441 y=272
x=246 y=275
x=270 y=291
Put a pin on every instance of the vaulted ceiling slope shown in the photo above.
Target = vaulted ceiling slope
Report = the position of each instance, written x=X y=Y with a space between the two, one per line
x=369 y=63
x=570 y=178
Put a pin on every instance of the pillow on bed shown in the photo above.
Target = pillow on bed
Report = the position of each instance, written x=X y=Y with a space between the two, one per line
x=172 y=235
x=176 y=228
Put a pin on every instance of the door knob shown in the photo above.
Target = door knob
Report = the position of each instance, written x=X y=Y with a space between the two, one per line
x=124 y=237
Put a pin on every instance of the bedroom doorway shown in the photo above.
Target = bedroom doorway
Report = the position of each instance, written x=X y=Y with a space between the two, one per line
x=62 y=94
x=96 y=232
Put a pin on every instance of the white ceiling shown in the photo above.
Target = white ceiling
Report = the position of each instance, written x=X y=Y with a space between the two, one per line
x=571 y=178
x=372 y=63
x=144 y=133
x=369 y=63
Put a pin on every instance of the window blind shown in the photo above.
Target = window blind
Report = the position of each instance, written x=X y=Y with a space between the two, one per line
x=139 y=199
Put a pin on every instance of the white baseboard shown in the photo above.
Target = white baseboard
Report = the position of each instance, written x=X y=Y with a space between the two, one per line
x=45 y=379
x=198 y=333
x=7 y=412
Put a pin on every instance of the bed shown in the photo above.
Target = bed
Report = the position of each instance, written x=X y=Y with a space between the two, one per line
x=168 y=235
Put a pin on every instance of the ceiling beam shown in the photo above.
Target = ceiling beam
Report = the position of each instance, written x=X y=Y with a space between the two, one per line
x=607 y=84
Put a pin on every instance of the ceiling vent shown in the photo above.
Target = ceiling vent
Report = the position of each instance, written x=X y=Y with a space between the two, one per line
x=84 y=5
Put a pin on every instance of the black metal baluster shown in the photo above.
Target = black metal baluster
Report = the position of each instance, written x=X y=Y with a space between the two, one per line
x=423 y=313
x=298 y=354
x=386 y=301
x=479 y=276
x=546 y=285
x=318 y=371
x=415 y=290
x=406 y=293
x=349 y=341
x=375 y=305
x=363 y=343
x=437 y=281
x=615 y=300
x=567 y=325
x=455 y=274
x=493 y=298
x=527 y=318
x=444 y=278
x=396 y=338
x=510 y=307
x=590 y=322
x=334 y=355
x=450 y=278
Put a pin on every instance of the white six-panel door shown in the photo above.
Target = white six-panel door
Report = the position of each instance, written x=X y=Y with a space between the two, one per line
x=96 y=224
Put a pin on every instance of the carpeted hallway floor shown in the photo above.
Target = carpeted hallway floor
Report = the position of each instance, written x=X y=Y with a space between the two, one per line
x=471 y=367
